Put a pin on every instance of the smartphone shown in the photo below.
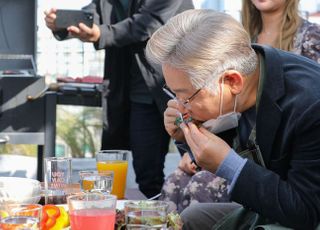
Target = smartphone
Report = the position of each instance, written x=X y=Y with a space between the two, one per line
x=185 y=148
x=66 y=18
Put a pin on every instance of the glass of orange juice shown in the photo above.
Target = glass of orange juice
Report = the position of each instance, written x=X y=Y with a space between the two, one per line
x=116 y=161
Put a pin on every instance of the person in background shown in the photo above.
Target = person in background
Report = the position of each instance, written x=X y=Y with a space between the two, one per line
x=133 y=101
x=277 y=23
x=273 y=171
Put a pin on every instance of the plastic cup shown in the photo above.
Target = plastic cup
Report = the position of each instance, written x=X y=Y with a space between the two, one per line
x=92 y=211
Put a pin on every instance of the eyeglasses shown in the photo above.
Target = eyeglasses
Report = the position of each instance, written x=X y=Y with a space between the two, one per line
x=185 y=103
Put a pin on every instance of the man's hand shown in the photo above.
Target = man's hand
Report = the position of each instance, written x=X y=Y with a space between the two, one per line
x=85 y=33
x=50 y=18
x=186 y=165
x=209 y=150
x=170 y=116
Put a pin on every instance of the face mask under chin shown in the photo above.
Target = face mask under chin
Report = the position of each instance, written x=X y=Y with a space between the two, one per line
x=224 y=121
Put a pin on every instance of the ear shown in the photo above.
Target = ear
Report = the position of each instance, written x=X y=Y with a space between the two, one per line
x=234 y=80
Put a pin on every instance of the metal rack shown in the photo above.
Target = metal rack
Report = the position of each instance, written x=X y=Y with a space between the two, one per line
x=25 y=117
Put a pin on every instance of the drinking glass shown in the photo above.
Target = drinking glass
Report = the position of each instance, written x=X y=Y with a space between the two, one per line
x=116 y=161
x=94 y=181
x=92 y=211
x=20 y=216
x=56 y=179
x=148 y=214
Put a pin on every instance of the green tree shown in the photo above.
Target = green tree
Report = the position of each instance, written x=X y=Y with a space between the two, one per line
x=27 y=150
x=78 y=129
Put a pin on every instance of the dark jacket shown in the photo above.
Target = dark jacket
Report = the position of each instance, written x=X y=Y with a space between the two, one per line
x=288 y=134
x=130 y=36
x=123 y=41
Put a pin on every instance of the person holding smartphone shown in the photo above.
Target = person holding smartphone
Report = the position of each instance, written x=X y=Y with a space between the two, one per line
x=133 y=100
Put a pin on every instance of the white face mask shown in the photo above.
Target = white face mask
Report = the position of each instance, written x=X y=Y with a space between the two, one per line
x=224 y=121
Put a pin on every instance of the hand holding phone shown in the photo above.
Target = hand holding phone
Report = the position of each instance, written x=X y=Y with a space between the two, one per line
x=185 y=148
x=50 y=18
x=67 y=18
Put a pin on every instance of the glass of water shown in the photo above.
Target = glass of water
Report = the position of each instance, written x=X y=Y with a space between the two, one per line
x=146 y=214
x=94 y=181
x=21 y=216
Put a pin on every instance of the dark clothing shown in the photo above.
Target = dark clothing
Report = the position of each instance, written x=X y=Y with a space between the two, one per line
x=149 y=144
x=124 y=35
x=287 y=191
x=287 y=132
x=125 y=43
x=246 y=123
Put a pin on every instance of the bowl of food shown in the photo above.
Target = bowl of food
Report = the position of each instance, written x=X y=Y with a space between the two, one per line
x=15 y=190
x=147 y=214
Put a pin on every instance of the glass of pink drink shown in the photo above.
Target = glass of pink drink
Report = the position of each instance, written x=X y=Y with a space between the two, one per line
x=92 y=211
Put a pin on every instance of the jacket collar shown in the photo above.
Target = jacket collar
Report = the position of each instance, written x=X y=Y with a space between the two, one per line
x=269 y=112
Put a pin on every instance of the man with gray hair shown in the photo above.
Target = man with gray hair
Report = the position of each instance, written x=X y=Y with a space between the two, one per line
x=214 y=74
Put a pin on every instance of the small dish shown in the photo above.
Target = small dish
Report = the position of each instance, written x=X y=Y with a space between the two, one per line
x=19 y=190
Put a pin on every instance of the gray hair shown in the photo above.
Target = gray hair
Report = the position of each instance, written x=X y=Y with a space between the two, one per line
x=204 y=44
